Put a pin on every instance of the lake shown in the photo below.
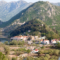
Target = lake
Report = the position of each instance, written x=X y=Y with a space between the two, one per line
x=3 y=40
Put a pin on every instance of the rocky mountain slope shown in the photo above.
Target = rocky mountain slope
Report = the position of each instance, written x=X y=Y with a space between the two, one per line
x=12 y=26
x=8 y=10
x=45 y=11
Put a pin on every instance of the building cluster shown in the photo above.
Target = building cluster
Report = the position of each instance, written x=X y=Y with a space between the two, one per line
x=35 y=39
x=42 y=40
x=24 y=38
x=19 y=38
x=53 y=41
x=45 y=41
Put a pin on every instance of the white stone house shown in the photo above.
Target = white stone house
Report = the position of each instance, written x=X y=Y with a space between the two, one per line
x=45 y=42
x=42 y=37
x=53 y=41
x=30 y=42
x=19 y=38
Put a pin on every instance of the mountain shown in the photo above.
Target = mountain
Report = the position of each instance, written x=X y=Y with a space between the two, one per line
x=8 y=10
x=57 y=4
x=12 y=26
x=34 y=27
x=45 y=11
x=1 y=22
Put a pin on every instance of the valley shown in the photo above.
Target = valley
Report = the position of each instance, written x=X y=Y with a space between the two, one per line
x=29 y=31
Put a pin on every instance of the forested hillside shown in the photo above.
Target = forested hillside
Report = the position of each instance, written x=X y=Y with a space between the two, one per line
x=35 y=27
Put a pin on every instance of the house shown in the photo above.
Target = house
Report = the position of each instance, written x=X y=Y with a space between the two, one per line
x=19 y=38
x=37 y=42
x=35 y=37
x=45 y=41
x=58 y=41
x=29 y=30
x=53 y=41
x=30 y=42
x=42 y=37
x=25 y=38
x=35 y=51
x=32 y=38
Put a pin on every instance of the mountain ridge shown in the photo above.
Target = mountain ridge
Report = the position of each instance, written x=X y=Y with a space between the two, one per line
x=45 y=11
x=10 y=9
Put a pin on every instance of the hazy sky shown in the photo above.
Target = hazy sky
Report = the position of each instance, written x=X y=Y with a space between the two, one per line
x=35 y=0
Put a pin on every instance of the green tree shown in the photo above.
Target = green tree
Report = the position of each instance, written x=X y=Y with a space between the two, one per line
x=13 y=42
x=28 y=51
x=6 y=42
x=2 y=56
x=47 y=55
x=21 y=58
x=6 y=49
x=14 y=58
x=58 y=45
x=56 y=52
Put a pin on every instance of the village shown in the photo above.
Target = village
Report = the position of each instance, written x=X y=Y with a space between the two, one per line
x=31 y=40
x=37 y=39
x=30 y=46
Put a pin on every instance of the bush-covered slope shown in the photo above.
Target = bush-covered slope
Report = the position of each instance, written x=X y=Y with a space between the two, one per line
x=45 y=11
x=35 y=27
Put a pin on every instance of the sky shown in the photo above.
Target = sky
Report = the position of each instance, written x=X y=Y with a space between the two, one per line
x=54 y=1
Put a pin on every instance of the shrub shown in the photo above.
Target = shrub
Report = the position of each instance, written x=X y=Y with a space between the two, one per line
x=56 y=52
x=28 y=51
x=43 y=47
x=17 y=53
x=46 y=58
x=21 y=58
x=58 y=45
x=41 y=52
x=47 y=55
x=15 y=42
x=14 y=58
x=6 y=43
x=2 y=56
x=51 y=52
x=54 y=57
x=6 y=49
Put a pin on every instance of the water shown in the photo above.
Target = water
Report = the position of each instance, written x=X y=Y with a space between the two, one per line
x=3 y=40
